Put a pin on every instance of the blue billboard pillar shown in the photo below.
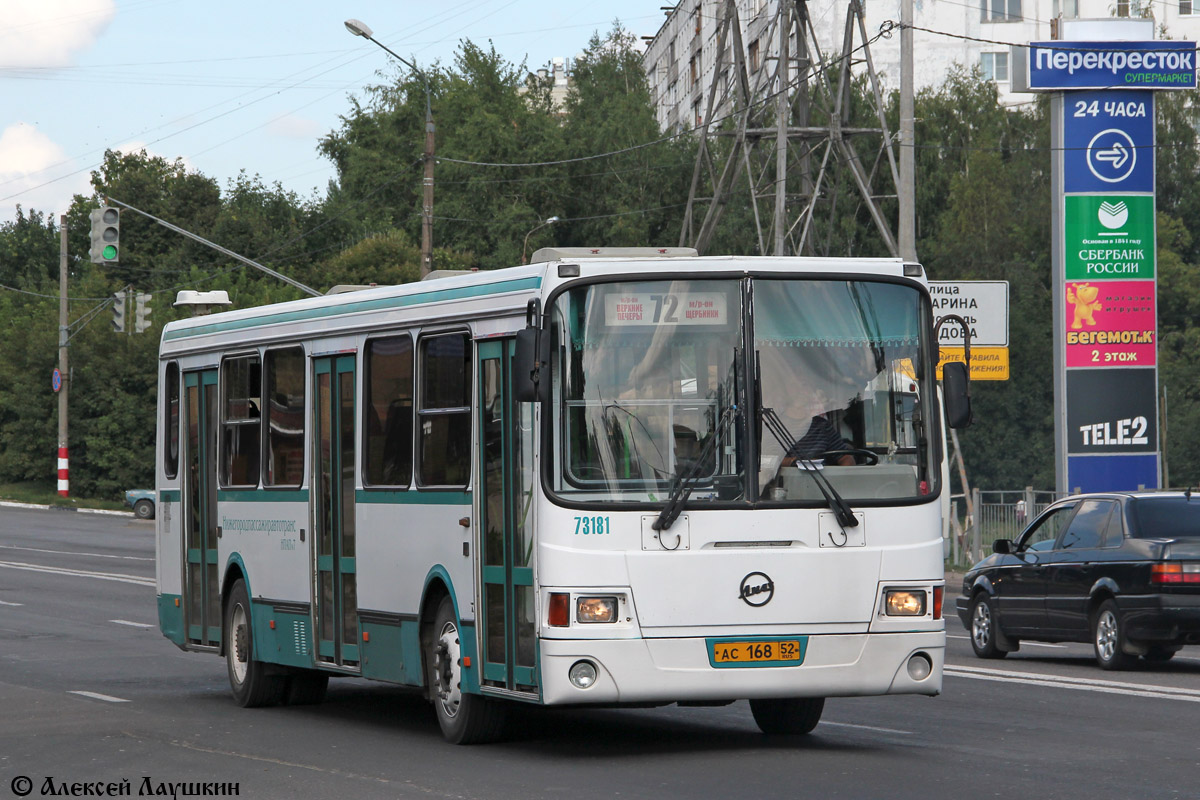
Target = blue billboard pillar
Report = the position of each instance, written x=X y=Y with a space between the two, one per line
x=1102 y=77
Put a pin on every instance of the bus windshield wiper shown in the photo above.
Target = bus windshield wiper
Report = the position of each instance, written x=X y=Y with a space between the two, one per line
x=841 y=510
x=686 y=482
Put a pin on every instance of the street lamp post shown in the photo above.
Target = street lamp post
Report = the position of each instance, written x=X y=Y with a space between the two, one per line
x=525 y=246
x=359 y=28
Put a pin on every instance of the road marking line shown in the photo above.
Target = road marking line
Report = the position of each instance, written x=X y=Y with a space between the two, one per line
x=131 y=624
x=76 y=573
x=341 y=773
x=73 y=553
x=867 y=728
x=6 y=603
x=1086 y=681
x=96 y=696
x=1087 y=685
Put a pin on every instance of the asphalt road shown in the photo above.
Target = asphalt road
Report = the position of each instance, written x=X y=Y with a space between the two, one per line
x=93 y=699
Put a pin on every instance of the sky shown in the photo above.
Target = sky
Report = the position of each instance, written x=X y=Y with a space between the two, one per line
x=233 y=86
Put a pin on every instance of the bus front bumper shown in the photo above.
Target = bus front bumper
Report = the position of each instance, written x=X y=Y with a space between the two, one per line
x=679 y=669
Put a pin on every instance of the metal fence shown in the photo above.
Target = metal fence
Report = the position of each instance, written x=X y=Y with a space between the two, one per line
x=990 y=516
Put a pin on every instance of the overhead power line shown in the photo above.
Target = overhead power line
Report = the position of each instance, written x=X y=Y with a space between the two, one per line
x=52 y=296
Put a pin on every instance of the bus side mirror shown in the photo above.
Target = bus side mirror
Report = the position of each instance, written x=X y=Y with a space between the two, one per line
x=527 y=367
x=956 y=392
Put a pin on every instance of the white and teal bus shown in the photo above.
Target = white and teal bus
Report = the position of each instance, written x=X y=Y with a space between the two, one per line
x=610 y=477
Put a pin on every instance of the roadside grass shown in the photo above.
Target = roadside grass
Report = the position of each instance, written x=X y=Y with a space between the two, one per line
x=46 y=493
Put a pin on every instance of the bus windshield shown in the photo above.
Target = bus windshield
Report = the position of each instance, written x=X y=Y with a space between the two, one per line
x=644 y=373
x=841 y=381
x=647 y=373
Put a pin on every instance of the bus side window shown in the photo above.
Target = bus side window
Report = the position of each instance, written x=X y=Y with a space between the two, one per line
x=285 y=417
x=444 y=444
x=389 y=411
x=241 y=389
x=171 y=422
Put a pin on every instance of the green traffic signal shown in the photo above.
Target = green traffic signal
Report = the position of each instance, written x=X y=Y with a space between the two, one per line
x=106 y=233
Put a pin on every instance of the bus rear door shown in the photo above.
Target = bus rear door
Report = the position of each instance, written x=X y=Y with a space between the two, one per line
x=336 y=601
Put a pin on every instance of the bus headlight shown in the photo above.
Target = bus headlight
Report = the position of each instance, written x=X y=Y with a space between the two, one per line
x=596 y=609
x=904 y=602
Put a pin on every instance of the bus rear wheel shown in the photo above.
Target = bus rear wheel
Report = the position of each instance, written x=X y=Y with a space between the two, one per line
x=250 y=679
x=464 y=718
x=791 y=716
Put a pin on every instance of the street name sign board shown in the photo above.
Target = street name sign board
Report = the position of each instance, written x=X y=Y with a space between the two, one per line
x=983 y=305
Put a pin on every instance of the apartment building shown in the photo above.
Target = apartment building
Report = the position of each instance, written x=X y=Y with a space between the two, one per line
x=680 y=59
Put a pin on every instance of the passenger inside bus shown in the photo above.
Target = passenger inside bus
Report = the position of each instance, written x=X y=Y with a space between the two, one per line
x=397 y=442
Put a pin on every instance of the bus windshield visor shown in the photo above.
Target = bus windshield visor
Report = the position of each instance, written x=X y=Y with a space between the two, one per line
x=644 y=373
x=842 y=388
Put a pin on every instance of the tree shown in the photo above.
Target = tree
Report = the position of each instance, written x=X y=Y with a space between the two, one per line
x=389 y=258
x=1177 y=159
x=482 y=118
x=983 y=200
x=149 y=253
x=113 y=405
x=29 y=251
x=1178 y=342
x=635 y=197
x=28 y=428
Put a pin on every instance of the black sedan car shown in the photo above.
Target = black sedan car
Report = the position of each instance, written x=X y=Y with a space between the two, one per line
x=1119 y=570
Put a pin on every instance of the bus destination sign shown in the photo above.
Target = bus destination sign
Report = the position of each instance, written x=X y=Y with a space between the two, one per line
x=626 y=309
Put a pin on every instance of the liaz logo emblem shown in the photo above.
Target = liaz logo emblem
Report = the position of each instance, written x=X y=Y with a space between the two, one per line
x=757 y=589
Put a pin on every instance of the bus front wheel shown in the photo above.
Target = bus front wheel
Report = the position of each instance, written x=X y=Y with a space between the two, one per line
x=249 y=679
x=788 y=716
x=464 y=718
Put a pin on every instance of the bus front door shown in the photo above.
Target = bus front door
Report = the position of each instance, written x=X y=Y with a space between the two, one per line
x=336 y=601
x=202 y=588
x=506 y=524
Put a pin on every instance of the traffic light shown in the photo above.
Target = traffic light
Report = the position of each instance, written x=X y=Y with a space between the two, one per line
x=118 y=320
x=106 y=233
x=141 y=316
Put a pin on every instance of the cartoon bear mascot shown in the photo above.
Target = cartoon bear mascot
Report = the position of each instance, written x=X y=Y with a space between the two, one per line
x=1083 y=297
